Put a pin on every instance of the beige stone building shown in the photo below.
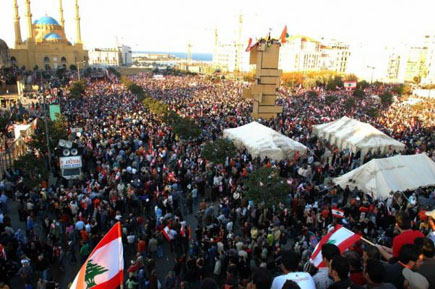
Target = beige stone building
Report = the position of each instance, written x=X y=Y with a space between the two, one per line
x=46 y=45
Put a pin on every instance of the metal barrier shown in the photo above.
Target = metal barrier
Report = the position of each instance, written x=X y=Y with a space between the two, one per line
x=11 y=154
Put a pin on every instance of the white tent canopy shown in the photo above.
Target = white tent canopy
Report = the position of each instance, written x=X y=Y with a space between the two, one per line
x=262 y=141
x=347 y=133
x=395 y=174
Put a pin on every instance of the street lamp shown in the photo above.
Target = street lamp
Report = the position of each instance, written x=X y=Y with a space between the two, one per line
x=373 y=69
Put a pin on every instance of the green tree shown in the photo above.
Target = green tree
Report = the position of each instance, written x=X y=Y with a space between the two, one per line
x=312 y=94
x=265 y=186
x=334 y=83
x=113 y=71
x=73 y=67
x=359 y=93
x=217 y=151
x=386 y=98
x=186 y=128
x=349 y=103
x=157 y=107
x=330 y=99
x=351 y=77
x=373 y=112
x=33 y=170
x=77 y=88
x=362 y=84
x=93 y=270
x=56 y=129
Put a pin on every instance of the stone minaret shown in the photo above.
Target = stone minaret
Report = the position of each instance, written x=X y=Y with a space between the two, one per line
x=78 y=33
x=61 y=19
x=18 y=39
x=29 y=22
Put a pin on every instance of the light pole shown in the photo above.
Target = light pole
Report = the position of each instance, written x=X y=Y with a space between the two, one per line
x=78 y=69
x=47 y=137
x=373 y=69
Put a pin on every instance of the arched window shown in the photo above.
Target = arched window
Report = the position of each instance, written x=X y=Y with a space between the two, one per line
x=63 y=60
x=13 y=60
x=46 y=60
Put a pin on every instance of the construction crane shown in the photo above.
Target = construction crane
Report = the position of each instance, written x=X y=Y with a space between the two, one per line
x=189 y=52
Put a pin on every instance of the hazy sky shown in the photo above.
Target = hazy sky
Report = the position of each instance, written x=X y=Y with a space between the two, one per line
x=167 y=25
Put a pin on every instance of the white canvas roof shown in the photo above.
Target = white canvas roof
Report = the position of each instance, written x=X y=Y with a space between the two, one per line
x=262 y=141
x=347 y=133
x=394 y=174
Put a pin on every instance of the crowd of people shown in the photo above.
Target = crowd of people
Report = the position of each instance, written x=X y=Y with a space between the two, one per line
x=138 y=172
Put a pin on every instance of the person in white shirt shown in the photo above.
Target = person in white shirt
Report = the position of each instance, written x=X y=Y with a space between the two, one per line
x=321 y=278
x=289 y=266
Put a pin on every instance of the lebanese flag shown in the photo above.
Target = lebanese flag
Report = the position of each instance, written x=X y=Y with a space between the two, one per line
x=166 y=233
x=284 y=35
x=339 y=236
x=337 y=213
x=250 y=45
x=104 y=268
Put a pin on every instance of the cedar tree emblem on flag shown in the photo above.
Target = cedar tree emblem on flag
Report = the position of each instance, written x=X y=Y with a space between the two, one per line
x=93 y=270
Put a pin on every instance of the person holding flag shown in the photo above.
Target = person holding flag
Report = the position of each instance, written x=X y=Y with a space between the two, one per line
x=104 y=268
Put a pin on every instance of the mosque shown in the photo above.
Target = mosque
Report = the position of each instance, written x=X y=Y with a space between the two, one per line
x=46 y=45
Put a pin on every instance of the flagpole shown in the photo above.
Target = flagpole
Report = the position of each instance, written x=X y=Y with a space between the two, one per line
x=367 y=241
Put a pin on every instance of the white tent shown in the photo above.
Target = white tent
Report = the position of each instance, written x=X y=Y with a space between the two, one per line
x=347 y=133
x=262 y=141
x=395 y=174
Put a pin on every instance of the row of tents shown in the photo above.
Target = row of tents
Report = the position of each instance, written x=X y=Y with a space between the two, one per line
x=378 y=177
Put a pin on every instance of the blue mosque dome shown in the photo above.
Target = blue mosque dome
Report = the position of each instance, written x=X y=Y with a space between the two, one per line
x=46 y=20
x=52 y=36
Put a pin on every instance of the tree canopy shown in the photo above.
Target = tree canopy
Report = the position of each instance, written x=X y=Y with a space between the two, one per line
x=217 y=151
x=265 y=186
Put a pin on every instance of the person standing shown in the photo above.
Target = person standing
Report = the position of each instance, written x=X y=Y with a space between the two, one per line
x=289 y=267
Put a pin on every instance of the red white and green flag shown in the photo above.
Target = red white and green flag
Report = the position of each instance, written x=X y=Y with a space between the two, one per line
x=284 y=35
x=337 y=213
x=339 y=236
x=104 y=268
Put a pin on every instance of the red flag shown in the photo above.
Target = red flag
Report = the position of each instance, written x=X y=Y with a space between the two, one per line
x=284 y=35
x=104 y=267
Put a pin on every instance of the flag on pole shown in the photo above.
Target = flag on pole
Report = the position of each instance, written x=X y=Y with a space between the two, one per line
x=284 y=35
x=167 y=233
x=337 y=213
x=339 y=236
x=251 y=45
x=104 y=267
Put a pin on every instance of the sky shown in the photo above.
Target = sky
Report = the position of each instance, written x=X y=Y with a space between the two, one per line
x=168 y=25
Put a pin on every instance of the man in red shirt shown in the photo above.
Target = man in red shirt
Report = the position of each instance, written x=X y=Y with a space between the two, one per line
x=406 y=236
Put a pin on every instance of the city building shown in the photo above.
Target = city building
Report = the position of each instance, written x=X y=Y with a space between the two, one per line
x=300 y=53
x=430 y=60
x=227 y=57
x=334 y=56
x=46 y=45
x=4 y=54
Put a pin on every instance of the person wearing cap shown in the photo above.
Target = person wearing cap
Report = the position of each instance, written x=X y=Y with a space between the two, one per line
x=414 y=280
x=289 y=266
x=374 y=273
x=427 y=251
x=408 y=258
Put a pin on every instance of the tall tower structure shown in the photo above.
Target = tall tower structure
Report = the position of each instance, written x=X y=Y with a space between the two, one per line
x=78 y=32
x=239 y=44
x=61 y=19
x=189 y=52
x=29 y=22
x=17 y=27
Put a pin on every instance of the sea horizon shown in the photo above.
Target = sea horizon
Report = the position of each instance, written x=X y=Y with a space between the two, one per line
x=206 y=57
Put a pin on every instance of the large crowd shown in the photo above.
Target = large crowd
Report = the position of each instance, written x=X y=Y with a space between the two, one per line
x=138 y=172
